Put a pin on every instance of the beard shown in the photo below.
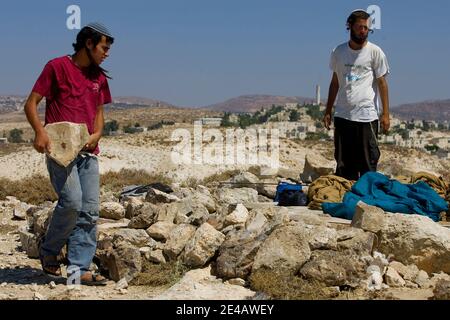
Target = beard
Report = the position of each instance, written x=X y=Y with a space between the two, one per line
x=358 y=39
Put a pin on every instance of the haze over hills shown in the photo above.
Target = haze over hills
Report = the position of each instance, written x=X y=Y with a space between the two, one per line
x=437 y=110
x=253 y=103
x=140 y=101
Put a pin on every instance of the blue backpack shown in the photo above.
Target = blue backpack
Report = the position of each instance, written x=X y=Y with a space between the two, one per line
x=289 y=194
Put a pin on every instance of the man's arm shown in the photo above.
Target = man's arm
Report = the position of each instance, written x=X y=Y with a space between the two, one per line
x=98 y=129
x=332 y=94
x=41 y=140
x=384 y=94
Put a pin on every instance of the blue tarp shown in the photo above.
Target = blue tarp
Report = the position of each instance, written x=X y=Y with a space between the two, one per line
x=378 y=190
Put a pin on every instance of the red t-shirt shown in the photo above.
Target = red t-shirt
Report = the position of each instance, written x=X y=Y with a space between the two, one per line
x=71 y=96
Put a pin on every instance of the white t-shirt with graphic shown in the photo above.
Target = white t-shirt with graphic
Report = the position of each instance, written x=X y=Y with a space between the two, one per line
x=358 y=71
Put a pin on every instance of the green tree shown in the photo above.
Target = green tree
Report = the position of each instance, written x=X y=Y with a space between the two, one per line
x=15 y=136
x=226 y=120
x=294 y=116
x=111 y=126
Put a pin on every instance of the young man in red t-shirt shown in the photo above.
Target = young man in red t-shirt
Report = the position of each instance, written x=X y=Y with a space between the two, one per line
x=75 y=88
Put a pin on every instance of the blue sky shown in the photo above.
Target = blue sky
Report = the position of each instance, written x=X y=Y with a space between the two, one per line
x=199 y=52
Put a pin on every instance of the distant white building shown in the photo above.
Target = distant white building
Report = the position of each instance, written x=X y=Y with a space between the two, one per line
x=212 y=122
x=3 y=140
x=290 y=106
x=418 y=123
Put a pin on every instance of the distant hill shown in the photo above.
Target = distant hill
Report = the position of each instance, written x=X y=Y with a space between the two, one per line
x=437 y=110
x=253 y=103
x=133 y=102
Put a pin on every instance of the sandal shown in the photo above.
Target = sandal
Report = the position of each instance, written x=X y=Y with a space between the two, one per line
x=94 y=280
x=50 y=265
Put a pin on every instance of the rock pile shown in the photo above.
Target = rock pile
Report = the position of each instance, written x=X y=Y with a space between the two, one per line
x=229 y=230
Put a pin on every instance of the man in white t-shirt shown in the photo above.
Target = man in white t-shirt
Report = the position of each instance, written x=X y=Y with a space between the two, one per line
x=359 y=78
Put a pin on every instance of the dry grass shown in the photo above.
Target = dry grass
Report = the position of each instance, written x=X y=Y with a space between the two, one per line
x=9 y=148
x=4 y=229
x=115 y=181
x=34 y=190
x=38 y=189
x=286 y=287
x=157 y=275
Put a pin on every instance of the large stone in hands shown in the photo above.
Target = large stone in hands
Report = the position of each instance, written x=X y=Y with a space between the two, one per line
x=67 y=140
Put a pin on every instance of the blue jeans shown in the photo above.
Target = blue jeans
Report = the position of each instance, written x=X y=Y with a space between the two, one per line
x=75 y=216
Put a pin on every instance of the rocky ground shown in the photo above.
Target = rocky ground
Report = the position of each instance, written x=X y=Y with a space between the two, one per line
x=229 y=241
x=234 y=243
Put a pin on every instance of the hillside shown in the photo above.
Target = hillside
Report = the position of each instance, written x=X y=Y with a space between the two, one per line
x=253 y=103
x=437 y=110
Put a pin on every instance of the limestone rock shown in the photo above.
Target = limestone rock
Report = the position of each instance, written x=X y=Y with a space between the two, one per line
x=328 y=267
x=238 y=216
x=235 y=196
x=67 y=140
x=202 y=245
x=156 y=197
x=156 y=256
x=368 y=218
x=112 y=210
x=29 y=242
x=134 y=237
x=414 y=239
x=315 y=167
x=160 y=230
x=145 y=216
x=132 y=206
x=393 y=279
x=178 y=239
x=285 y=250
x=356 y=240
x=122 y=262
x=201 y=285
x=238 y=251
x=442 y=290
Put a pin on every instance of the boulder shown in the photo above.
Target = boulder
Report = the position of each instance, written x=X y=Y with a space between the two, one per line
x=160 y=230
x=178 y=239
x=135 y=237
x=238 y=251
x=316 y=166
x=356 y=241
x=244 y=180
x=268 y=188
x=202 y=246
x=199 y=284
x=368 y=218
x=157 y=197
x=321 y=237
x=442 y=290
x=132 y=206
x=29 y=242
x=393 y=279
x=334 y=268
x=201 y=195
x=285 y=250
x=156 y=256
x=168 y=212
x=122 y=262
x=19 y=210
x=145 y=217
x=198 y=216
x=235 y=196
x=238 y=216
x=418 y=240
x=112 y=210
